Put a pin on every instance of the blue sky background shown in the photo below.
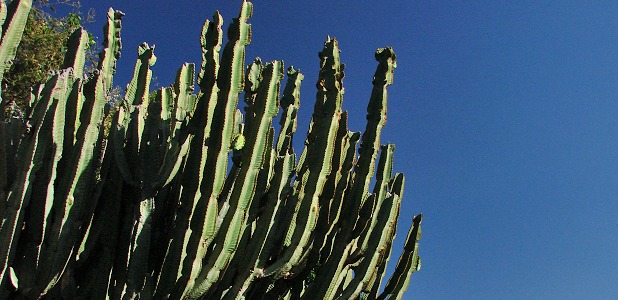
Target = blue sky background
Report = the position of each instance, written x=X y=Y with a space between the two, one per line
x=504 y=114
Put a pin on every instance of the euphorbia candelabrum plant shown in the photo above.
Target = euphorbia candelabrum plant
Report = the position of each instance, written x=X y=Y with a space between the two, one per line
x=185 y=196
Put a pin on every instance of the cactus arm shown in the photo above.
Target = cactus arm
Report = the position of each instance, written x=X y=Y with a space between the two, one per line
x=179 y=114
x=375 y=242
x=348 y=160
x=98 y=250
x=375 y=280
x=117 y=134
x=65 y=91
x=183 y=250
x=202 y=110
x=136 y=98
x=94 y=228
x=177 y=269
x=367 y=227
x=180 y=143
x=11 y=133
x=110 y=54
x=133 y=152
x=331 y=278
x=138 y=89
x=409 y=262
x=230 y=84
x=349 y=276
x=331 y=238
x=376 y=119
x=266 y=227
x=283 y=166
x=102 y=167
x=164 y=97
x=56 y=91
x=339 y=153
x=75 y=185
x=137 y=267
x=251 y=230
x=290 y=102
x=40 y=210
x=48 y=150
x=16 y=14
x=210 y=41
x=13 y=20
x=378 y=248
x=184 y=101
x=370 y=143
x=255 y=155
x=31 y=160
x=317 y=167
x=216 y=108
x=332 y=197
x=366 y=224
x=75 y=57
x=130 y=122
x=337 y=272
x=331 y=201
x=220 y=121
x=252 y=83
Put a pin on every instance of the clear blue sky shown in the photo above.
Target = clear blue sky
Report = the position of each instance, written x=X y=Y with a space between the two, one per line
x=504 y=113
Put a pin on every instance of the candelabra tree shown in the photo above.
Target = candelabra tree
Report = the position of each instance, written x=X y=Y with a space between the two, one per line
x=185 y=196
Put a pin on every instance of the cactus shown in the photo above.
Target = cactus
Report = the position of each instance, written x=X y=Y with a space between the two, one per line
x=13 y=20
x=188 y=197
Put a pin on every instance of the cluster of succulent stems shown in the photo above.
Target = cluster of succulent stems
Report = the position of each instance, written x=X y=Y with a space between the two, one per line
x=185 y=196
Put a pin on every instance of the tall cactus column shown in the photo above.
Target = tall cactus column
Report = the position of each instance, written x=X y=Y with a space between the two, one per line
x=136 y=143
x=13 y=20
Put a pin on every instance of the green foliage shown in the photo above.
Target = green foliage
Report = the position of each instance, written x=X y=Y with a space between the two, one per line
x=42 y=48
x=148 y=206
